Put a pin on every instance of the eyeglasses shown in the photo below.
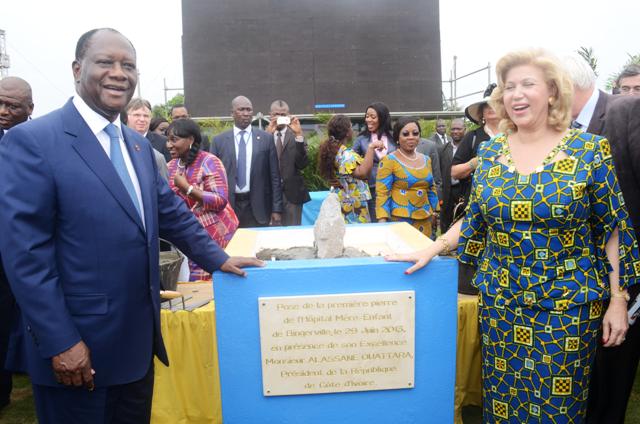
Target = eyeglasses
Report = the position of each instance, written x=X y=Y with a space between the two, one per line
x=626 y=89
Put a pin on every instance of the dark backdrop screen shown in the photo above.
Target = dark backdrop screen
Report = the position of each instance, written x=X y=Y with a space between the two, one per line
x=311 y=53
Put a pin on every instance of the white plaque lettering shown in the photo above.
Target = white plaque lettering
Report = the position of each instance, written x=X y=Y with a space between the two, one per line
x=337 y=343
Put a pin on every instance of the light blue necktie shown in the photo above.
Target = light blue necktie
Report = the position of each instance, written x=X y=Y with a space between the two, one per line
x=242 y=161
x=118 y=163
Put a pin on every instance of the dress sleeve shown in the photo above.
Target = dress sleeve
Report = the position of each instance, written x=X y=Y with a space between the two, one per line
x=474 y=228
x=215 y=192
x=609 y=212
x=384 y=183
x=348 y=161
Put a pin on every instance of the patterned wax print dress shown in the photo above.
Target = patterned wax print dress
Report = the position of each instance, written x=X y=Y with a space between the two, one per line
x=404 y=193
x=214 y=212
x=539 y=243
x=353 y=192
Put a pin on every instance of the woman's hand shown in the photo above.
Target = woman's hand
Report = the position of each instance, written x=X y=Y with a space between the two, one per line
x=419 y=258
x=377 y=145
x=615 y=323
x=180 y=181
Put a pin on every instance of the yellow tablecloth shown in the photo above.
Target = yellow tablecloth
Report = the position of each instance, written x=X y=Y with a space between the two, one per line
x=468 y=359
x=188 y=392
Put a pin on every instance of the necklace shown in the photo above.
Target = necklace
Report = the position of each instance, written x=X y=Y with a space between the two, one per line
x=181 y=164
x=415 y=155
x=506 y=153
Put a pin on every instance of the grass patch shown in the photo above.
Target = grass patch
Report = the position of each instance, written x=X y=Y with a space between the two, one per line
x=22 y=411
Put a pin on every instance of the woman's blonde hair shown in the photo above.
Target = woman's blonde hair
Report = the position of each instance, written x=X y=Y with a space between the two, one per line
x=555 y=76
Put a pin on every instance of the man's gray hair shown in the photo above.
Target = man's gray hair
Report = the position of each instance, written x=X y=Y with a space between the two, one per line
x=580 y=72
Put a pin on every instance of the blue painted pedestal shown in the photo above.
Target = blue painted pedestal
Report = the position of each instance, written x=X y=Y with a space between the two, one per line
x=430 y=401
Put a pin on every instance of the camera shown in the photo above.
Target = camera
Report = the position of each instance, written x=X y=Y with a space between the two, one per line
x=283 y=120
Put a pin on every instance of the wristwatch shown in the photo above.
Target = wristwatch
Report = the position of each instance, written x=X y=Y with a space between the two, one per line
x=190 y=190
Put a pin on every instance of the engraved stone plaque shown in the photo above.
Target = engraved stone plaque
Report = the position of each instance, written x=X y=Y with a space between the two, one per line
x=337 y=343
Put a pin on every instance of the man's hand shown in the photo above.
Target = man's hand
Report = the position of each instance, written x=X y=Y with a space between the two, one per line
x=234 y=264
x=73 y=367
x=295 y=126
x=276 y=219
x=271 y=128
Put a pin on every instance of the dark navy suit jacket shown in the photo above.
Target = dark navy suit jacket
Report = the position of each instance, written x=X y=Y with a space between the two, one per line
x=265 y=190
x=80 y=262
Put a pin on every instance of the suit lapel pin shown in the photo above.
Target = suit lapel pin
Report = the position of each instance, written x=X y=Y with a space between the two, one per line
x=257 y=137
x=137 y=148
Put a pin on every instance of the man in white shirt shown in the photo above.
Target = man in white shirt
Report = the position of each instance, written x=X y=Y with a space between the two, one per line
x=251 y=161
x=82 y=207
x=589 y=104
x=138 y=119
x=291 y=148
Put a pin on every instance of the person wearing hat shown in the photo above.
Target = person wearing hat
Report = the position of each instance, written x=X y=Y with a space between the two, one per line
x=480 y=113
x=465 y=162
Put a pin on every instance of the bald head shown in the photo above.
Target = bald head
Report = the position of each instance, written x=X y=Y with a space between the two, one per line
x=242 y=111
x=16 y=104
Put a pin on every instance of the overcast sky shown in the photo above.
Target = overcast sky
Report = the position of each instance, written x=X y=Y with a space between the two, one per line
x=41 y=37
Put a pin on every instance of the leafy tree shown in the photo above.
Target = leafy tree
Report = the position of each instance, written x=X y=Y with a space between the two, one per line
x=589 y=57
x=164 y=110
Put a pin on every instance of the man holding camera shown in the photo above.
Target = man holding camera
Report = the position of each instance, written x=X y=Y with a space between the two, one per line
x=292 y=159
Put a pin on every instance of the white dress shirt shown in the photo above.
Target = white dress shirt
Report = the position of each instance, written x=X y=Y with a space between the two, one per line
x=584 y=118
x=96 y=124
x=248 y=138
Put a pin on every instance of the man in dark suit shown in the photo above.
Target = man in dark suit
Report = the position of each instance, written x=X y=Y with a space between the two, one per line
x=251 y=161
x=180 y=111
x=139 y=118
x=16 y=105
x=589 y=104
x=440 y=137
x=81 y=210
x=292 y=157
x=614 y=369
x=452 y=189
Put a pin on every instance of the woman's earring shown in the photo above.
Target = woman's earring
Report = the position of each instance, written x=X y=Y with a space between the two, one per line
x=551 y=100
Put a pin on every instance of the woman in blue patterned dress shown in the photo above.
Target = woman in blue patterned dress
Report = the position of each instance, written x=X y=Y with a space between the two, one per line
x=405 y=185
x=547 y=227
x=347 y=171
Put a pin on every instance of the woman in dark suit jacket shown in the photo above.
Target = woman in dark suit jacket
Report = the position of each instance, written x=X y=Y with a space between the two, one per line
x=378 y=127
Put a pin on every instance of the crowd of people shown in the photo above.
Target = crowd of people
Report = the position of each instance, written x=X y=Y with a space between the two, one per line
x=542 y=209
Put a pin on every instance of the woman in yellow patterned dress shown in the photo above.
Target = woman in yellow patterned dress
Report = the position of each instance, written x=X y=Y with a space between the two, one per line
x=347 y=171
x=405 y=187
x=547 y=227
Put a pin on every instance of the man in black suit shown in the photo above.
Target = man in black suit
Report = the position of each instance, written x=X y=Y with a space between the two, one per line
x=440 y=137
x=180 y=111
x=589 y=104
x=251 y=161
x=628 y=81
x=292 y=157
x=16 y=106
x=452 y=189
x=138 y=118
x=615 y=368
